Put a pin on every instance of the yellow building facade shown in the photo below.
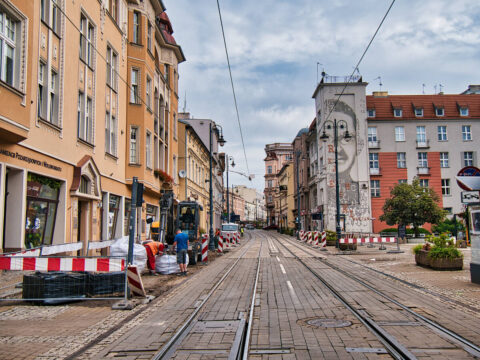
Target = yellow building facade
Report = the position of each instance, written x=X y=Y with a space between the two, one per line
x=284 y=198
x=66 y=143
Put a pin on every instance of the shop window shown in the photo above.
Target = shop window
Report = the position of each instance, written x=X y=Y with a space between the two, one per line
x=113 y=207
x=42 y=203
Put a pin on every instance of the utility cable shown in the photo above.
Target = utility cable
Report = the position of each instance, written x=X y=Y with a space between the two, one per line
x=359 y=61
x=233 y=87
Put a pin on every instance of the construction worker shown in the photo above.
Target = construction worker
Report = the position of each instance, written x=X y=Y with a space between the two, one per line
x=241 y=231
x=153 y=248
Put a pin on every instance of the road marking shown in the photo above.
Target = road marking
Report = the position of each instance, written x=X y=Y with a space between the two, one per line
x=277 y=258
x=283 y=269
x=295 y=299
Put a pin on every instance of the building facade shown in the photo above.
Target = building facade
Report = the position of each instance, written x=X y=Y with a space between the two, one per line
x=277 y=155
x=284 y=197
x=337 y=117
x=430 y=137
x=68 y=150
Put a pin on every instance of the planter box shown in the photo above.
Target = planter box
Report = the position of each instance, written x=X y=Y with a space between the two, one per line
x=347 y=246
x=422 y=259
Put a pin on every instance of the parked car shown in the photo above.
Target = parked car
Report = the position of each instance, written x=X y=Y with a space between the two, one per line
x=250 y=227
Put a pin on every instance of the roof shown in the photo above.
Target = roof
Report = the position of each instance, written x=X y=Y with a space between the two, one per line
x=450 y=103
x=302 y=131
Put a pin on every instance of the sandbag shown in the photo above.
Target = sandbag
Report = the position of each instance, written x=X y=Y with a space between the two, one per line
x=120 y=248
x=167 y=264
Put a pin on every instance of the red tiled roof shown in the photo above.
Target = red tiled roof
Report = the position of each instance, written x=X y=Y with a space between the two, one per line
x=384 y=105
x=166 y=28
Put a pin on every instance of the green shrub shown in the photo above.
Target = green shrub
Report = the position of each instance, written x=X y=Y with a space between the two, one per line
x=389 y=230
x=450 y=252
x=417 y=248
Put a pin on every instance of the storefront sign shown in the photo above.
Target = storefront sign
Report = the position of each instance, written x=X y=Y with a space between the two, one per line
x=16 y=155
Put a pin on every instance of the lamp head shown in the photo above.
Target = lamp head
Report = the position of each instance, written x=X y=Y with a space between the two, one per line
x=221 y=140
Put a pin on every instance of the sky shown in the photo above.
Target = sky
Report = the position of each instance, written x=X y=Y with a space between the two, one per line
x=279 y=48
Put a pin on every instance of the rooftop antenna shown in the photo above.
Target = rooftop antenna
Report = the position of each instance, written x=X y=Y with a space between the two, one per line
x=423 y=89
x=441 y=87
x=379 y=78
x=317 y=70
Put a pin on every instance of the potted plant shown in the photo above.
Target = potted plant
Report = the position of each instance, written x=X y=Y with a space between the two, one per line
x=442 y=255
x=163 y=176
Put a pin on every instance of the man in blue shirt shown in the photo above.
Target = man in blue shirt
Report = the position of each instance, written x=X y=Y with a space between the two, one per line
x=181 y=243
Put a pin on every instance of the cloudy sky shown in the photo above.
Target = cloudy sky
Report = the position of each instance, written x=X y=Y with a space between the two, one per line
x=275 y=45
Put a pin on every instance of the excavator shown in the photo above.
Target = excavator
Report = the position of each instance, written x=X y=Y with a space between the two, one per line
x=185 y=216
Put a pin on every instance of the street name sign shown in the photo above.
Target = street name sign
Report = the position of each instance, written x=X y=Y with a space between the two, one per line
x=470 y=197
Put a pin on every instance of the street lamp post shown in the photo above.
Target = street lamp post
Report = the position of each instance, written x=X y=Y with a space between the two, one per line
x=228 y=203
x=343 y=125
x=297 y=156
x=218 y=129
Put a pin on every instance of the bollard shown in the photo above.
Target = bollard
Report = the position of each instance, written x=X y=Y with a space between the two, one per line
x=220 y=244
x=204 y=248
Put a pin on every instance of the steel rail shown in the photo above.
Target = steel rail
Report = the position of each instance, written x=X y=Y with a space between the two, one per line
x=466 y=344
x=246 y=345
x=394 y=348
x=178 y=334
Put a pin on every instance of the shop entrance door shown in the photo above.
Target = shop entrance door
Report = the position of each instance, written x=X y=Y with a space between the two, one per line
x=84 y=221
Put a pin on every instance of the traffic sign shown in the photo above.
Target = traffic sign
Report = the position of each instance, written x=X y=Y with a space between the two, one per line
x=469 y=197
x=468 y=178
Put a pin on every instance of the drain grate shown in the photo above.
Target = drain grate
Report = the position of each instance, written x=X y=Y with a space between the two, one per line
x=328 y=323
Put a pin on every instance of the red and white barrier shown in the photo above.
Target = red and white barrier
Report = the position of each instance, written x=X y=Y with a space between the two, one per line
x=301 y=233
x=135 y=281
x=28 y=252
x=55 y=249
x=220 y=244
x=310 y=236
x=61 y=264
x=204 y=247
x=323 y=242
x=315 y=238
x=94 y=245
x=371 y=240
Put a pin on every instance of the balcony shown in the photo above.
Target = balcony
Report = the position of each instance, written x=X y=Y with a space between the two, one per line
x=375 y=171
x=423 y=170
x=423 y=144
x=374 y=144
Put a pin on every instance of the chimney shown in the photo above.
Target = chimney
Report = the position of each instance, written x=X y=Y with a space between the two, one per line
x=380 y=93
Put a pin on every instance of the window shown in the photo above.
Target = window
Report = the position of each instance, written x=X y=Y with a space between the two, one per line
x=402 y=181
x=270 y=198
x=110 y=134
x=133 y=145
x=113 y=9
x=87 y=34
x=56 y=18
x=466 y=133
x=448 y=210
x=421 y=135
x=463 y=111
x=397 y=112
x=442 y=133
x=175 y=126
x=8 y=40
x=53 y=116
x=373 y=161
x=422 y=160
x=468 y=158
x=269 y=169
x=371 y=112
x=134 y=86
x=418 y=112
x=149 y=36
x=44 y=10
x=42 y=100
x=401 y=160
x=84 y=118
x=269 y=183
x=112 y=71
x=148 y=96
x=167 y=73
x=372 y=135
x=439 y=111
x=423 y=183
x=446 y=187
x=399 y=133
x=148 y=150
x=444 y=160
x=375 y=188
x=136 y=27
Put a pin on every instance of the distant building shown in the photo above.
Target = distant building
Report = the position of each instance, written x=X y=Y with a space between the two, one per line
x=277 y=155
x=284 y=200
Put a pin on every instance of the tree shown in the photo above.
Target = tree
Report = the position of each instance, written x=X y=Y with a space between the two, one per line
x=412 y=204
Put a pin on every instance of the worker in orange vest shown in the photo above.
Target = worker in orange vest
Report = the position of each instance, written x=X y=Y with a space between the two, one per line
x=153 y=248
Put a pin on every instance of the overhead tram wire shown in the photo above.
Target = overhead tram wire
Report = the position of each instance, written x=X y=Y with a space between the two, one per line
x=359 y=61
x=233 y=87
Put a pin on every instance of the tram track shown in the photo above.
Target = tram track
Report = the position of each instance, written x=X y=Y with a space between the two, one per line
x=392 y=345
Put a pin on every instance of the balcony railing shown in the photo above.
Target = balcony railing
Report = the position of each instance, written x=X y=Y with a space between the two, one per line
x=422 y=144
x=374 y=171
x=374 y=144
x=423 y=170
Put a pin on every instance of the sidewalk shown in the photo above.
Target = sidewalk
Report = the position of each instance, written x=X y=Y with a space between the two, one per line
x=455 y=285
